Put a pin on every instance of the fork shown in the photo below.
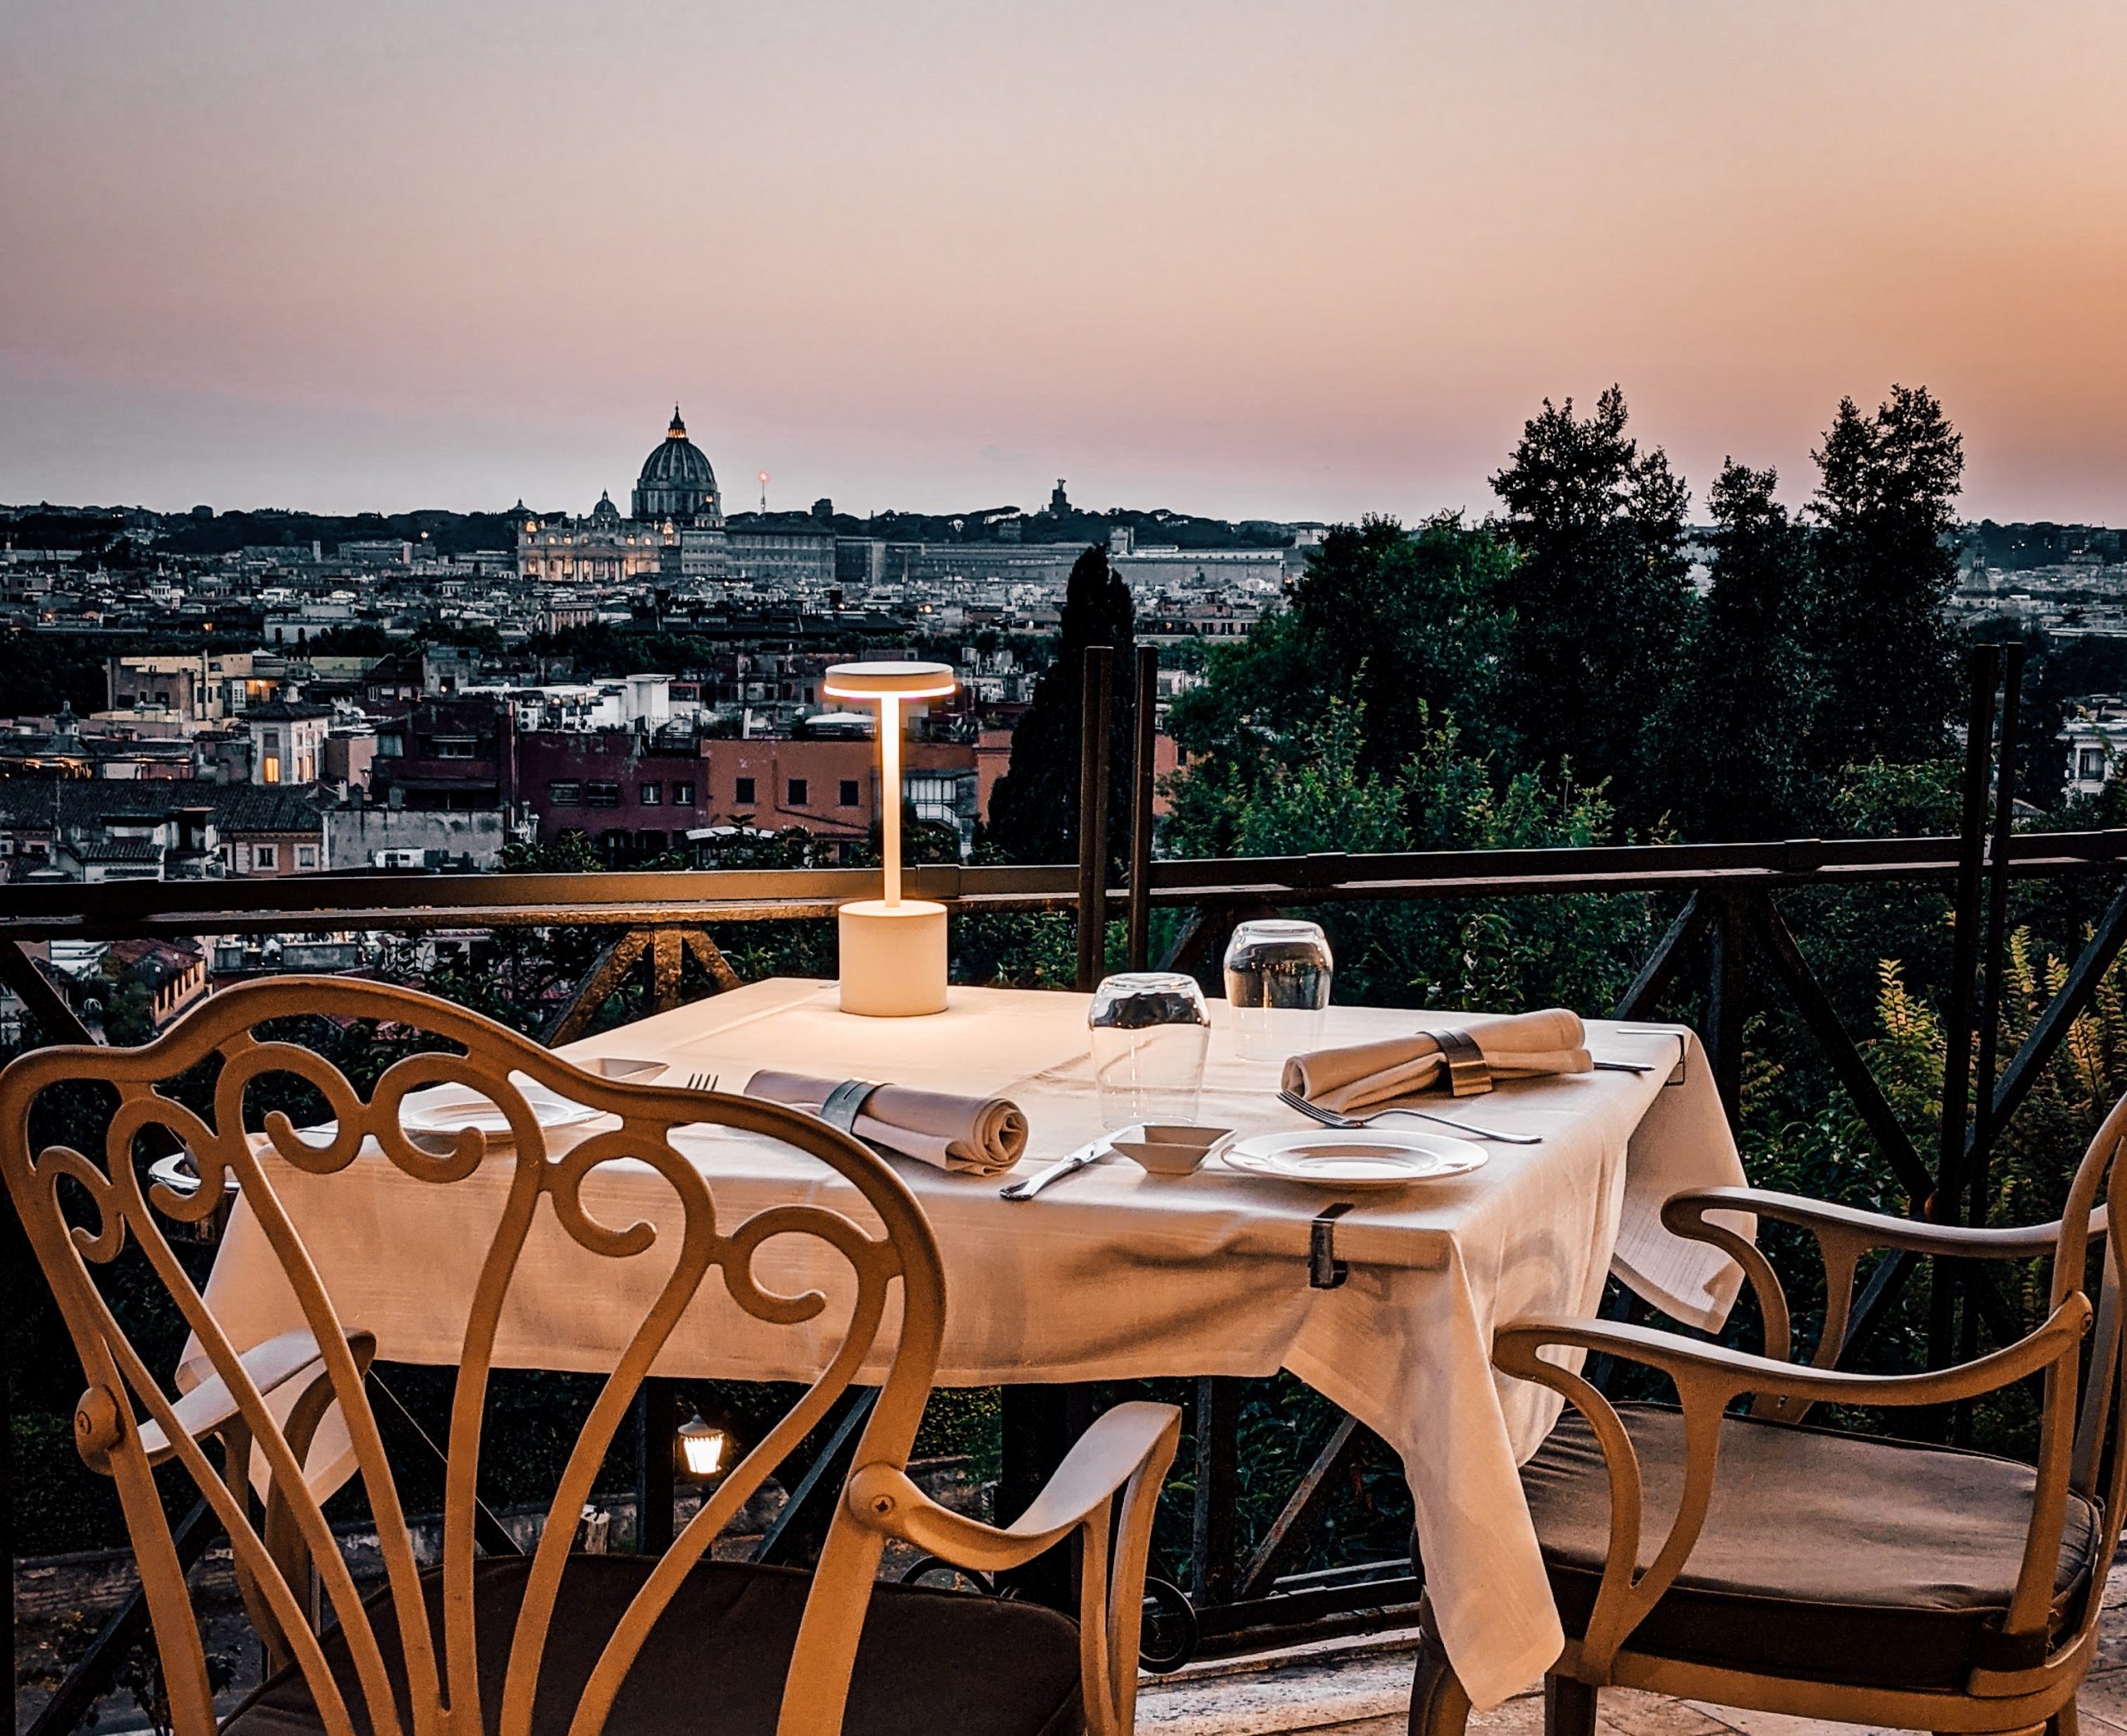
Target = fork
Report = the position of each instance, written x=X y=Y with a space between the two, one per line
x=1330 y=1118
x=701 y=1082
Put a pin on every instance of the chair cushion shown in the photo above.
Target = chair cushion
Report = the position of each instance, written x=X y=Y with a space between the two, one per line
x=713 y=1664
x=1826 y=1556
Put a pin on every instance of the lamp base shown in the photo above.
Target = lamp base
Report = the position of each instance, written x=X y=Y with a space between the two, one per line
x=893 y=958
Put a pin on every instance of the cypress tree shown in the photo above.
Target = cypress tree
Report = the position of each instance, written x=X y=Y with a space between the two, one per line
x=1033 y=810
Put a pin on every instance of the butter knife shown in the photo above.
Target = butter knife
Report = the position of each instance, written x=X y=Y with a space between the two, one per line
x=1032 y=1184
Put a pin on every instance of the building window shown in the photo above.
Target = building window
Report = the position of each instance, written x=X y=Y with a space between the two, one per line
x=306 y=856
x=651 y=795
x=746 y=793
x=564 y=793
x=683 y=793
x=390 y=745
x=850 y=798
x=796 y=797
x=271 y=741
x=454 y=747
x=601 y=795
x=265 y=855
x=2091 y=763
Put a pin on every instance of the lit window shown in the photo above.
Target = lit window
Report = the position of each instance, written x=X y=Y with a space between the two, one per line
x=271 y=771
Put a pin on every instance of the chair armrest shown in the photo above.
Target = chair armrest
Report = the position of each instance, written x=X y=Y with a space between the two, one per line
x=1123 y=1442
x=1713 y=1371
x=1684 y=1215
x=1127 y=1449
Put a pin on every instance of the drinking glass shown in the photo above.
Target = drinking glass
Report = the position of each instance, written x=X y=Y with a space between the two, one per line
x=1149 y=1031
x=1278 y=973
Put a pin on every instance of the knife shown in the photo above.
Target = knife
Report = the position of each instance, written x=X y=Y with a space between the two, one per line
x=1032 y=1184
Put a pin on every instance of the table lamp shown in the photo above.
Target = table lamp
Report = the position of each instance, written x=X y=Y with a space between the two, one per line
x=893 y=950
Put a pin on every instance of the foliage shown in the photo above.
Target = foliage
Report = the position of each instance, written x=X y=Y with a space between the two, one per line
x=1315 y=794
x=1033 y=810
x=1602 y=604
x=1887 y=677
x=1732 y=731
x=1408 y=626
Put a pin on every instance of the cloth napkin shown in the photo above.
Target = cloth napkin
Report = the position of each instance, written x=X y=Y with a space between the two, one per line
x=974 y=1136
x=1517 y=1046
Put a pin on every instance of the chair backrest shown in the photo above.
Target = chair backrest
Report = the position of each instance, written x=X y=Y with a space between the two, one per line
x=80 y=1212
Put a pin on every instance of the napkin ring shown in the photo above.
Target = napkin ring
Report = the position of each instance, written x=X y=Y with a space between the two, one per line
x=845 y=1103
x=1468 y=1074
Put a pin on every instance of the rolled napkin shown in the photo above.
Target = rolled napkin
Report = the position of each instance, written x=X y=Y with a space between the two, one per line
x=1516 y=1046
x=970 y=1136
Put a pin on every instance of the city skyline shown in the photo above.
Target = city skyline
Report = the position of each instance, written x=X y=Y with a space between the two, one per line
x=1237 y=259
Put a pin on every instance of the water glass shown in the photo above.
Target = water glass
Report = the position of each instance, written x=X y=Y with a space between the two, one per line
x=1150 y=1030
x=1278 y=973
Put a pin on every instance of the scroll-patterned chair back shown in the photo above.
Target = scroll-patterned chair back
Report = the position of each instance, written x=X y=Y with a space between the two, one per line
x=201 y=1087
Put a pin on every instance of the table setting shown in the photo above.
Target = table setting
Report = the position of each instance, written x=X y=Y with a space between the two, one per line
x=1131 y=1185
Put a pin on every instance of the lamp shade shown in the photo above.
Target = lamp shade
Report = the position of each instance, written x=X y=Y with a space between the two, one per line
x=888 y=681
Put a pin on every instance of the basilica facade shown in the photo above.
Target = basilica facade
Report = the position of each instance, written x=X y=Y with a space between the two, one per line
x=674 y=532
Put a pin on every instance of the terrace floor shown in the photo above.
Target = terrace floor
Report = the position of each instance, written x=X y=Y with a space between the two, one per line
x=1361 y=1686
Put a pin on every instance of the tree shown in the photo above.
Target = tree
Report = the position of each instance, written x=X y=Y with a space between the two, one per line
x=1602 y=599
x=1403 y=628
x=1033 y=810
x=1886 y=656
x=1733 y=737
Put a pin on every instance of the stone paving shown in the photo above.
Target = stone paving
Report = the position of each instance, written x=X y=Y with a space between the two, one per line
x=1361 y=1687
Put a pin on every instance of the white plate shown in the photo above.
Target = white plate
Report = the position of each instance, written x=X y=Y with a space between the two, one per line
x=450 y=1107
x=1366 y=1157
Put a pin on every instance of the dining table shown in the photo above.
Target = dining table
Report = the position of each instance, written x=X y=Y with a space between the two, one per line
x=1114 y=1273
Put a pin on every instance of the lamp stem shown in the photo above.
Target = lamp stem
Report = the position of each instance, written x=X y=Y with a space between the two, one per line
x=890 y=793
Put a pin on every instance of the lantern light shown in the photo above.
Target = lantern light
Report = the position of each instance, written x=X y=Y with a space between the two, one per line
x=703 y=1449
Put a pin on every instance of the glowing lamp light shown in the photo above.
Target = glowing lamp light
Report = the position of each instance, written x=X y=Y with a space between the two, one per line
x=705 y=1449
x=893 y=949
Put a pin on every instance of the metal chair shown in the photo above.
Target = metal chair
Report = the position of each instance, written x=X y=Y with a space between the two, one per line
x=1831 y=1575
x=555 y=1641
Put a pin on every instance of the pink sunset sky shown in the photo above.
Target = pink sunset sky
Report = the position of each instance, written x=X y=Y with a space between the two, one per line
x=1298 y=260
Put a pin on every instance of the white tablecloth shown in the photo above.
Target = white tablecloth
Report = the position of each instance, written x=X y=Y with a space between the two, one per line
x=1111 y=1273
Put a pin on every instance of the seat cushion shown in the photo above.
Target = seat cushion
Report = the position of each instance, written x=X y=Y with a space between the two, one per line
x=1826 y=1556
x=714 y=1665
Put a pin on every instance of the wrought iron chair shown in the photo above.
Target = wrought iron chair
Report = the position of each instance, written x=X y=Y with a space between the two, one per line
x=1828 y=1574
x=555 y=1641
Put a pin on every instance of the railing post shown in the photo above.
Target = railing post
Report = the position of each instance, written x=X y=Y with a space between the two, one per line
x=1146 y=719
x=1214 y=1563
x=1984 y=663
x=656 y=1419
x=1093 y=761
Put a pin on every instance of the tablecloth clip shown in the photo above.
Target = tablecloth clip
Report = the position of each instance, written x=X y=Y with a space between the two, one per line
x=845 y=1103
x=1683 y=1050
x=1325 y=1270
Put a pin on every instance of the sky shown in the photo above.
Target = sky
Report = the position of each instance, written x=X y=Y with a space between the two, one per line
x=1307 y=259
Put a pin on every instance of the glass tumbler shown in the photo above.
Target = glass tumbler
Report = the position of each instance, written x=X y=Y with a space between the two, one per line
x=1149 y=1031
x=1278 y=973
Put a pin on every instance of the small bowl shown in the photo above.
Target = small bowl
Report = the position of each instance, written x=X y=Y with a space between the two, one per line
x=1167 y=1150
x=622 y=1066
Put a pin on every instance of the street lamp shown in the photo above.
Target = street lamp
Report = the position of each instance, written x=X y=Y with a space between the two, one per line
x=893 y=949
